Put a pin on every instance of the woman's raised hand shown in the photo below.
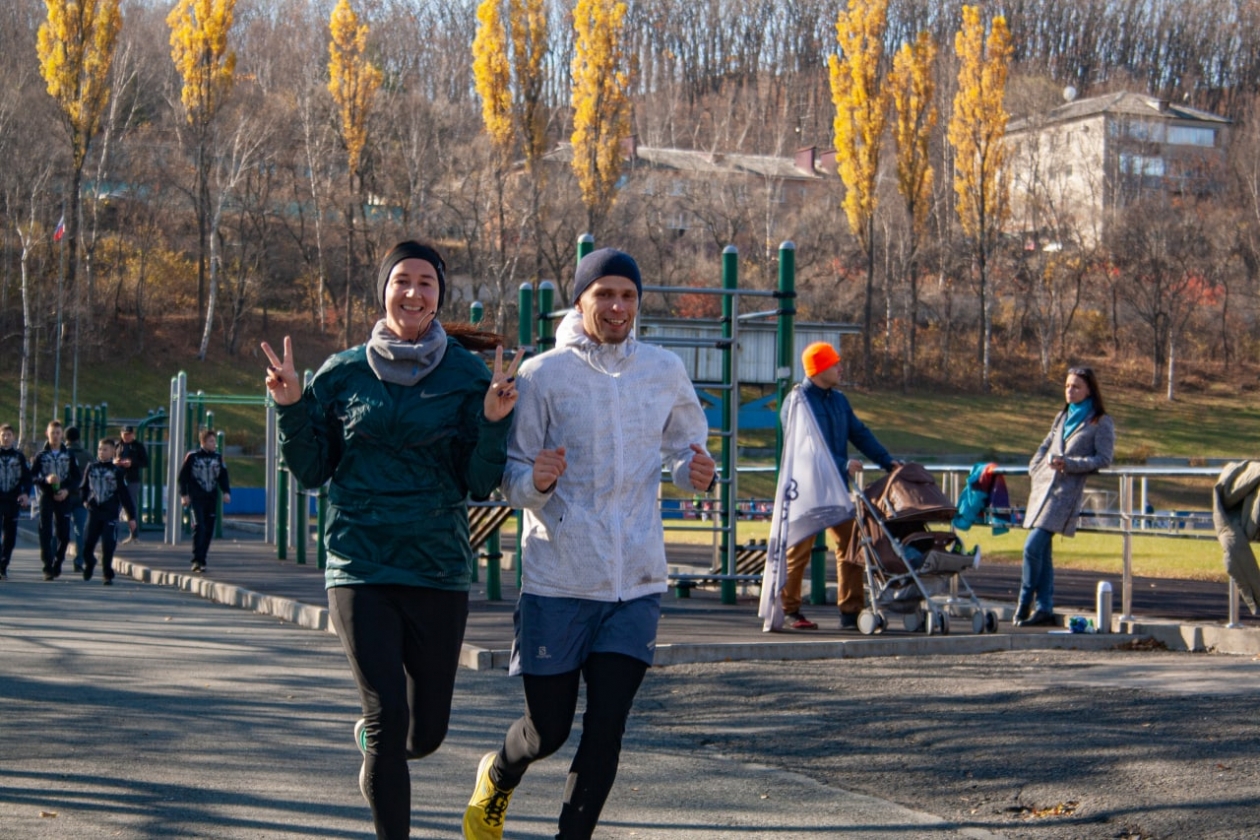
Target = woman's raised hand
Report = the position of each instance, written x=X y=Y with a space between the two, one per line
x=282 y=378
x=502 y=394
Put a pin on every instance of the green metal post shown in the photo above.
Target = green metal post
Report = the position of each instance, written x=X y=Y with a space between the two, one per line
x=303 y=535
x=158 y=455
x=586 y=244
x=494 y=567
x=282 y=512
x=476 y=312
x=525 y=316
x=218 y=504
x=321 y=523
x=818 y=570
x=786 y=337
x=730 y=404
x=102 y=422
x=546 y=299
x=525 y=338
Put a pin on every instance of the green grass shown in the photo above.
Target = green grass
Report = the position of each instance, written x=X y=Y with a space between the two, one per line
x=1153 y=556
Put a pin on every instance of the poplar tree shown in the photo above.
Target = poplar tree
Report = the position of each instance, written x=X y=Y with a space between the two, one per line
x=508 y=76
x=199 y=48
x=353 y=82
x=861 y=114
x=75 y=47
x=977 y=130
x=913 y=95
x=601 y=104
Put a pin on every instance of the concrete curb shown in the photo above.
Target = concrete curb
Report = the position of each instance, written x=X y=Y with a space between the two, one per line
x=1179 y=637
x=295 y=612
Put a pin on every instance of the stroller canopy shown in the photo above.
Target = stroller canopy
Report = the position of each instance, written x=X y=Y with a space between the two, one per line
x=908 y=494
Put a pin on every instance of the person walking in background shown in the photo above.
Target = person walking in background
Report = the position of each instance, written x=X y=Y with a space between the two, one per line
x=78 y=513
x=104 y=492
x=405 y=428
x=132 y=457
x=839 y=427
x=54 y=471
x=15 y=494
x=597 y=417
x=1081 y=441
x=202 y=476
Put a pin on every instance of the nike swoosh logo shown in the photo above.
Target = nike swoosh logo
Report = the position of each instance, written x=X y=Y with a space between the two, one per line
x=425 y=395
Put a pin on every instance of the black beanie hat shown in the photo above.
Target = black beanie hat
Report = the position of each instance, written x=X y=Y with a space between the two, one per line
x=406 y=251
x=606 y=262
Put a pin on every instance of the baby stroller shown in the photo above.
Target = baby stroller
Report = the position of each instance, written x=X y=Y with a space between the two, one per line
x=912 y=570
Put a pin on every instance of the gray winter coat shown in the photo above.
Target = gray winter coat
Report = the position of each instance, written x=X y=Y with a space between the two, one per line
x=1236 y=514
x=1054 y=504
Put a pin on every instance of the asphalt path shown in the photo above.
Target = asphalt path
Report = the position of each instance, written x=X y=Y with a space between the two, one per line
x=140 y=711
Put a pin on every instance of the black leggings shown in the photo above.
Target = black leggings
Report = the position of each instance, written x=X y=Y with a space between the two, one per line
x=612 y=680
x=403 y=643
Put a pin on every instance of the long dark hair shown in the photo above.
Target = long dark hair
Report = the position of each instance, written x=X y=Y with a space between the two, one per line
x=1091 y=380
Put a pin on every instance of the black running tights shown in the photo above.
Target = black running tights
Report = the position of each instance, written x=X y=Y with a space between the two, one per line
x=612 y=680
x=403 y=643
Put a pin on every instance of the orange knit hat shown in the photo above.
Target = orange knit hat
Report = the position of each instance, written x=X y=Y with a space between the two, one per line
x=818 y=356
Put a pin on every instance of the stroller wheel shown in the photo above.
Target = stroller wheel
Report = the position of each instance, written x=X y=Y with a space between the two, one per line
x=913 y=622
x=977 y=622
x=990 y=621
x=938 y=622
x=869 y=622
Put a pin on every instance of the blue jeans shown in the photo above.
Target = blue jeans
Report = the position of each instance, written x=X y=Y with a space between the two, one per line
x=1038 y=582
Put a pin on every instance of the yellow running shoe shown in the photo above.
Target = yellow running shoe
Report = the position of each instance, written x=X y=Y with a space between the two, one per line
x=483 y=819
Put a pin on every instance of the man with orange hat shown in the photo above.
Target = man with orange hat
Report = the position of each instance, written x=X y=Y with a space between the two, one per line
x=839 y=427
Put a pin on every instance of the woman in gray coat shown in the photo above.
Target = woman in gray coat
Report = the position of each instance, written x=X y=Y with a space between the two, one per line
x=1082 y=440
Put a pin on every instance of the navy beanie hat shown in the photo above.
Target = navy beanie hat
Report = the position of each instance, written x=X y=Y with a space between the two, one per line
x=606 y=262
x=406 y=251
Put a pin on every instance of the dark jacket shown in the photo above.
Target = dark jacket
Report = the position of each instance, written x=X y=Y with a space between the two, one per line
x=81 y=460
x=139 y=459
x=201 y=474
x=58 y=462
x=104 y=491
x=840 y=427
x=402 y=461
x=15 y=475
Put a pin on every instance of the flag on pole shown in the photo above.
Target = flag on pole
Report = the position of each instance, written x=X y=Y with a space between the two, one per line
x=810 y=497
x=60 y=230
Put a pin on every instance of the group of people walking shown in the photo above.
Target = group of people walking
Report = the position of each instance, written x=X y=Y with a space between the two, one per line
x=77 y=497
x=406 y=427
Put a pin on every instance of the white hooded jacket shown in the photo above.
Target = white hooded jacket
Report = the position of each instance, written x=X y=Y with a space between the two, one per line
x=619 y=410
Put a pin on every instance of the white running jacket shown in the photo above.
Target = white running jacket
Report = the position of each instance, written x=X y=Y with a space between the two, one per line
x=618 y=410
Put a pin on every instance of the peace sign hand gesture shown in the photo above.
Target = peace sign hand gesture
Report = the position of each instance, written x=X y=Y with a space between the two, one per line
x=282 y=378
x=502 y=394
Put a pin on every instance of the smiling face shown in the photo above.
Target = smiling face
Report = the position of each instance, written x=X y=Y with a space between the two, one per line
x=1075 y=389
x=411 y=298
x=608 y=307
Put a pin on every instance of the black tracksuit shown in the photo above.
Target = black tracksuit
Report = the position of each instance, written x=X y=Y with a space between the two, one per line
x=104 y=492
x=139 y=457
x=54 y=516
x=15 y=481
x=201 y=477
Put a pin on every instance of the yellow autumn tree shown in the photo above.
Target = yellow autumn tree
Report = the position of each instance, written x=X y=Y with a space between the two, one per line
x=529 y=48
x=492 y=75
x=75 y=46
x=353 y=82
x=861 y=104
x=977 y=130
x=914 y=100
x=601 y=104
x=199 y=48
